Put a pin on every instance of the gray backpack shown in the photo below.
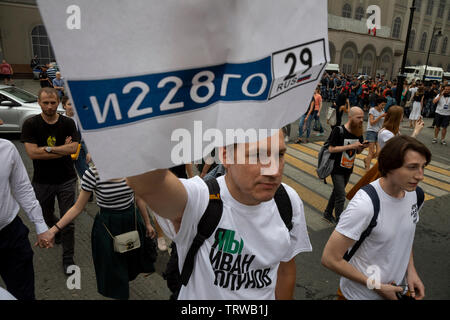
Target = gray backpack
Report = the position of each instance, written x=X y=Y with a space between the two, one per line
x=325 y=163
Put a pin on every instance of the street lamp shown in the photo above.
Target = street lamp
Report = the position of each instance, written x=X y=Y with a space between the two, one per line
x=439 y=34
x=401 y=77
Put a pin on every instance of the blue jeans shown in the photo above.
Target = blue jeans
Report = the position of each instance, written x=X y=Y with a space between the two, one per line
x=300 y=126
x=314 y=116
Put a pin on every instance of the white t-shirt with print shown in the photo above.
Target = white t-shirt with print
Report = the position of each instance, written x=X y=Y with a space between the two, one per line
x=384 y=136
x=443 y=106
x=240 y=260
x=389 y=245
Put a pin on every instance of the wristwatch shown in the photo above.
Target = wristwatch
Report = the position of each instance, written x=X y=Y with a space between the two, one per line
x=48 y=149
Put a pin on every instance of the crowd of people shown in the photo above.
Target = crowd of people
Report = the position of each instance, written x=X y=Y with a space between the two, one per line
x=234 y=255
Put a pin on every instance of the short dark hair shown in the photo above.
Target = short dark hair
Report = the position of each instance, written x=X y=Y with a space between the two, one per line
x=64 y=100
x=380 y=100
x=393 y=153
x=49 y=91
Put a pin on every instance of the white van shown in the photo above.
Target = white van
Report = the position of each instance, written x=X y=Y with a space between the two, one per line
x=332 y=68
x=417 y=72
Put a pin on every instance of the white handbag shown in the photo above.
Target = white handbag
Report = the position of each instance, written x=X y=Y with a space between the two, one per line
x=127 y=241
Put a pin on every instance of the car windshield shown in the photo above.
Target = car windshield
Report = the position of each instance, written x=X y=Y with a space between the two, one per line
x=20 y=94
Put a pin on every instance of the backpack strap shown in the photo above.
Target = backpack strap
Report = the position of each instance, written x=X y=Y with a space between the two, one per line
x=420 y=197
x=370 y=190
x=206 y=226
x=284 y=206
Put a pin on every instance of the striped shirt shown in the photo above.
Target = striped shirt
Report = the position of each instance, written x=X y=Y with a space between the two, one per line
x=115 y=195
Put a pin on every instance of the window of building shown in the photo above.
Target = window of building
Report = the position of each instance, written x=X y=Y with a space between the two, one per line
x=397 y=28
x=367 y=63
x=41 y=45
x=418 y=5
x=412 y=38
x=441 y=9
x=423 y=41
x=359 y=14
x=347 y=11
x=430 y=5
x=347 y=66
x=434 y=44
x=444 y=45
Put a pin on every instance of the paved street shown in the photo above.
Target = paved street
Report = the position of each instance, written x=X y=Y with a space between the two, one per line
x=431 y=249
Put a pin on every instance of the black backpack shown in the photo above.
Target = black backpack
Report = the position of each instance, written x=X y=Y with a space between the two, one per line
x=372 y=192
x=206 y=226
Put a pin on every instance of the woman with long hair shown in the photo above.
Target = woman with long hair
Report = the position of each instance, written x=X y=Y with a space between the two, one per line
x=391 y=128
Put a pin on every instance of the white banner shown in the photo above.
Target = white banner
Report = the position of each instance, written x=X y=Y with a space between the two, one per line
x=146 y=76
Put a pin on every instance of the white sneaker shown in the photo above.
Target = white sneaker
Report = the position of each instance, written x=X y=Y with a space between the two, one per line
x=443 y=142
x=434 y=140
x=162 y=246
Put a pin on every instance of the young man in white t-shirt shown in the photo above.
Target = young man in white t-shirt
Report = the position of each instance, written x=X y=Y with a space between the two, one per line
x=442 y=117
x=384 y=261
x=255 y=256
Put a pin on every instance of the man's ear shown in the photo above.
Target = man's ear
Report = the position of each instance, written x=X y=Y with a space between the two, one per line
x=225 y=153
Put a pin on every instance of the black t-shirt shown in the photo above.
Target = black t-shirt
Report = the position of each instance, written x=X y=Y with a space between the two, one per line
x=36 y=130
x=179 y=171
x=341 y=99
x=343 y=161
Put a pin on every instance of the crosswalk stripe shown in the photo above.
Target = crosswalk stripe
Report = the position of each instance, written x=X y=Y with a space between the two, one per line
x=434 y=183
x=307 y=196
x=292 y=159
x=434 y=166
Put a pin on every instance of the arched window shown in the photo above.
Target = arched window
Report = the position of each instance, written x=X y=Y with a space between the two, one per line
x=441 y=9
x=41 y=45
x=367 y=63
x=430 y=5
x=348 y=54
x=347 y=11
x=347 y=62
x=434 y=44
x=412 y=38
x=397 y=28
x=386 y=59
x=444 y=46
x=423 y=41
x=359 y=14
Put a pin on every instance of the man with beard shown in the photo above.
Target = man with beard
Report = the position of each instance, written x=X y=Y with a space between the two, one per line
x=344 y=148
x=442 y=116
x=49 y=140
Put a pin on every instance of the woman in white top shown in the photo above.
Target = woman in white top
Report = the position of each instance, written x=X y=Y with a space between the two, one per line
x=417 y=106
x=374 y=124
x=391 y=126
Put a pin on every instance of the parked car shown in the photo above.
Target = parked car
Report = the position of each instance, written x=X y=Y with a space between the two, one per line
x=16 y=106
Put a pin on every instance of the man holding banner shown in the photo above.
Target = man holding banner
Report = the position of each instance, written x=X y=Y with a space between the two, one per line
x=251 y=253
x=230 y=70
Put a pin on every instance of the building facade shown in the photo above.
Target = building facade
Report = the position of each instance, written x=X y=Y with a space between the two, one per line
x=357 y=50
x=22 y=35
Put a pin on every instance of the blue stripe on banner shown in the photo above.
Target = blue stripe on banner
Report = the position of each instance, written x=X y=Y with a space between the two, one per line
x=112 y=102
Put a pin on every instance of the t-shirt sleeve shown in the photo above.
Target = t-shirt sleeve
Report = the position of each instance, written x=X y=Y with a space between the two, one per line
x=356 y=217
x=299 y=233
x=336 y=139
x=198 y=198
x=88 y=182
x=28 y=132
x=385 y=136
